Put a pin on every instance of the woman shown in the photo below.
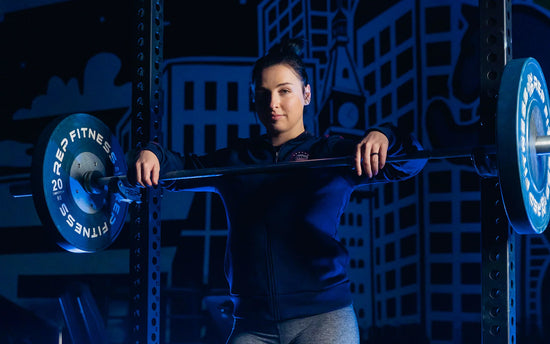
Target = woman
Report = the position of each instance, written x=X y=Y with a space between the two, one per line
x=284 y=263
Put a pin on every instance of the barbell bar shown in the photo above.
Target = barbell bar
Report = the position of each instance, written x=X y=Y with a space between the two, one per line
x=80 y=188
x=97 y=183
x=94 y=182
x=542 y=147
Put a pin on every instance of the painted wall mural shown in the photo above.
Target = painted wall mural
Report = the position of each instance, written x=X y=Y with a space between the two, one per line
x=414 y=245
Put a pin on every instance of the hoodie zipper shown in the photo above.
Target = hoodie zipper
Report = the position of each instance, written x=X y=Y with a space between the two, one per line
x=273 y=299
x=270 y=266
x=272 y=280
x=276 y=150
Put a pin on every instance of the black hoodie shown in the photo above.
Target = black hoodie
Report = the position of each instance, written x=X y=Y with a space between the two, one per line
x=283 y=257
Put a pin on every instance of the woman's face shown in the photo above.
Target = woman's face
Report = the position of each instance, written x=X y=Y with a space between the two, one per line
x=280 y=97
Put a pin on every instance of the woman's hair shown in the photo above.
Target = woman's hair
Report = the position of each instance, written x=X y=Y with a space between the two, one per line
x=286 y=52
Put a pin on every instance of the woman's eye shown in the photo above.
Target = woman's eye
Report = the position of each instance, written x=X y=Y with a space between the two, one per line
x=261 y=96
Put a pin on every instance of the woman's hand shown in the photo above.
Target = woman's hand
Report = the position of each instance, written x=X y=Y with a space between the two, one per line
x=147 y=168
x=371 y=153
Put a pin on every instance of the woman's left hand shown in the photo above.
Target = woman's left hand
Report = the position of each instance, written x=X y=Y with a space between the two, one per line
x=371 y=153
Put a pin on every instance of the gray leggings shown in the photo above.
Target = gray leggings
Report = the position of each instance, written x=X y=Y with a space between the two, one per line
x=336 y=327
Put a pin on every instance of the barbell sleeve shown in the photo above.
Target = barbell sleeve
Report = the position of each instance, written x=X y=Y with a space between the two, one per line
x=20 y=189
x=542 y=145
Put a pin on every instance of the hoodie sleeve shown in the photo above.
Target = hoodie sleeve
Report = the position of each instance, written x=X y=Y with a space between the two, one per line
x=172 y=161
x=400 y=144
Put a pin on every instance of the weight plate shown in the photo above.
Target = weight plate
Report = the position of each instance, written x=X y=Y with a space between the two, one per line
x=523 y=115
x=67 y=150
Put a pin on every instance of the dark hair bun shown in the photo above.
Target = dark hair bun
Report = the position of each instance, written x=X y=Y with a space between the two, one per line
x=288 y=52
x=292 y=46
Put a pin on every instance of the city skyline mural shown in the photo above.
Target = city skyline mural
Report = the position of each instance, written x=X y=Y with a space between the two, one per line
x=415 y=245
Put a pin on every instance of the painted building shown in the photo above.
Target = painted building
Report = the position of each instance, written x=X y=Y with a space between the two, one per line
x=414 y=245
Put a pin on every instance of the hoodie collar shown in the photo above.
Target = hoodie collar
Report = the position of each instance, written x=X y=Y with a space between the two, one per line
x=292 y=142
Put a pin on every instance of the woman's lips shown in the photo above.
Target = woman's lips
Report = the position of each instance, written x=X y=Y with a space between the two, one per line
x=275 y=116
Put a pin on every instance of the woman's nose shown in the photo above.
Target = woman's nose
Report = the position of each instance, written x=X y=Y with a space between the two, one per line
x=274 y=102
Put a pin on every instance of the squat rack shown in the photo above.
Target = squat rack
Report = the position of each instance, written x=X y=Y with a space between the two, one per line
x=498 y=309
x=145 y=217
x=498 y=287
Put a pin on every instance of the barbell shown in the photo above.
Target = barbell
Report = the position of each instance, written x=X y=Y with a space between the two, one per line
x=79 y=185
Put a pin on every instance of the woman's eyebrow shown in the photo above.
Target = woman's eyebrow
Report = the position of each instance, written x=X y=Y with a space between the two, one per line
x=260 y=88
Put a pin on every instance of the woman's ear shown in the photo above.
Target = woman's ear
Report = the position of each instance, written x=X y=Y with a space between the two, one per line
x=307 y=94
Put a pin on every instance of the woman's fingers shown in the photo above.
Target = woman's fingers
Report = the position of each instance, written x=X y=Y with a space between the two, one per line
x=147 y=169
x=371 y=154
x=155 y=174
x=375 y=160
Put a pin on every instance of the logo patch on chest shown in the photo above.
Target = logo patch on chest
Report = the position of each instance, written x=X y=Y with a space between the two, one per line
x=299 y=156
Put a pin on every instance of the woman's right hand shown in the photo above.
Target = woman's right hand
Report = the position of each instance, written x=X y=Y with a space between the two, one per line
x=147 y=168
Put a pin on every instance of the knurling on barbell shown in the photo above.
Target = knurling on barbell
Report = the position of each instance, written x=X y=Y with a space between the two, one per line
x=79 y=185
